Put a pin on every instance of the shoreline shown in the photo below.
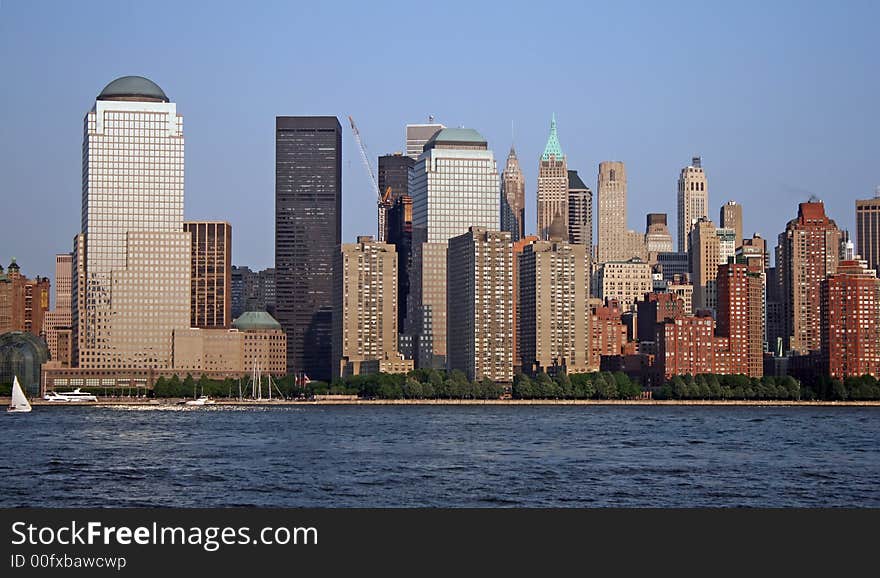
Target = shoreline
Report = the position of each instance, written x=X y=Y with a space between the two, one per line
x=173 y=402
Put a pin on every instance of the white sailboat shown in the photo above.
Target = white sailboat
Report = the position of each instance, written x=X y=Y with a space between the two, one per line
x=19 y=402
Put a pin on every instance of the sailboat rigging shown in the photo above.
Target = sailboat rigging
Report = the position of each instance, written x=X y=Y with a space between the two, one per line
x=19 y=403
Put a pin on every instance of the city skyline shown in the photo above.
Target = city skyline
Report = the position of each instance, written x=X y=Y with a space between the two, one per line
x=769 y=141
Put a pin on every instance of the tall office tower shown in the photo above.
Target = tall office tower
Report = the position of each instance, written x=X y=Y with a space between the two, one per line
x=868 y=230
x=625 y=282
x=658 y=239
x=553 y=310
x=211 y=274
x=400 y=235
x=454 y=186
x=252 y=290
x=394 y=174
x=808 y=252
x=136 y=255
x=308 y=225
x=416 y=137
x=705 y=249
x=480 y=283
x=580 y=212
x=518 y=248
x=552 y=185
x=365 y=305
x=851 y=321
x=693 y=200
x=611 y=212
x=513 y=198
x=60 y=317
x=732 y=218
x=741 y=315
x=775 y=308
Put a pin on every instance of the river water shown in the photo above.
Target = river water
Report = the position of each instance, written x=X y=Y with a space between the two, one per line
x=441 y=456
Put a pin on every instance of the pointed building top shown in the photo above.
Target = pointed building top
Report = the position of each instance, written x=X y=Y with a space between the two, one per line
x=553 y=147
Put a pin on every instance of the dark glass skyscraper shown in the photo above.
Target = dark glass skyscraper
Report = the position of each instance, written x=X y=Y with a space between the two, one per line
x=308 y=226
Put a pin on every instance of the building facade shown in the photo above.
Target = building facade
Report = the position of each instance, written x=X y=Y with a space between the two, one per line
x=23 y=302
x=552 y=185
x=416 y=137
x=59 y=318
x=693 y=201
x=553 y=310
x=625 y=282
x=211 y=273
x=740 y=316
x=580 y=212
x=400 y=234
x=365 y=304
x=513 y=198
x=480 y=283
x=705 y=249
x=868 y=230
x=608 y=335
x=308 y=229
x=252 y=290
x=732 y=218
x=611 y=212
x=393 y=181
x=658 y=239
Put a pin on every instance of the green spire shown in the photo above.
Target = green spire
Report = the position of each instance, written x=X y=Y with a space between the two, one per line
x=553 y=147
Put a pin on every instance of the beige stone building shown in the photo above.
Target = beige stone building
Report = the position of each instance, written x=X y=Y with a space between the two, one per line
x=553 y=310
x=612 y=243
x=732 y=218
x=480 y=284
x=552 y=185
x=625 y=282
x=59 y=317
x=705 y=247
x=693 y=201
x=684 y=290
x=513 y=188
x=365 y=304
x=658 y=239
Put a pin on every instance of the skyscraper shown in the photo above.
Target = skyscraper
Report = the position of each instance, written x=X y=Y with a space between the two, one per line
x=868 y=230
x=513 y=198
x=394 y=174
x=580 y=212
x=480 y=283
x=454 y=186
x=741 y=315
x=705 y=249
x=612 y=242
x=400 y=235
x=554 y=291
x=308 y=223
x=732 y=218
x=59 y=317
x=211 y=274
x=135 y=254
x=693 y=200
x=808 y=251
x=851 y=321
x=365 y=305
x=658 y=239
x=552 y=185
x=416 y=137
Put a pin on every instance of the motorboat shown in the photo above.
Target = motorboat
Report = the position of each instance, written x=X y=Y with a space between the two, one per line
x=75 y=395
x=201 y=400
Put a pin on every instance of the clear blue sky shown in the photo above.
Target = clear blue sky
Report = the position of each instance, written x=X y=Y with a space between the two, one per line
x=780 y=98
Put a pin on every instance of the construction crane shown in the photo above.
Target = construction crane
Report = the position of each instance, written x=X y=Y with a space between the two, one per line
x=383 y=200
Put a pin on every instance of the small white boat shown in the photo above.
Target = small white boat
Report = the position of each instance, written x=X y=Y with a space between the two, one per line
x=75 y=395
x=20 y=403
x=201 y=400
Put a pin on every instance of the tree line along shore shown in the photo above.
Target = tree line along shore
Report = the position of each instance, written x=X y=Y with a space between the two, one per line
x=433 y=384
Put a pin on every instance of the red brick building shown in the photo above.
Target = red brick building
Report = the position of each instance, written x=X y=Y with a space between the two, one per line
x=741 y=315
x=851 y=321
x=22 y=301
x=607 y=332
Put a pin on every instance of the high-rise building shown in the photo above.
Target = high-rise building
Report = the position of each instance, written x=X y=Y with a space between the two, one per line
x=686 y=346
x=775 y=311
x=416 y=137
x=23 y=301
x=308 y=224
x=808 y=252
x=554 y=292
x=611 y=213
x=672 y=264
x=851 y=321
x=365 y=305
x=513 y=198
x=625 y=282
x=480 y=283
x=726 y=244
x=580 y=212
x=518 y=248
x=552 y=185
x=868 y=230
x=658 y=239
x=705 y=249
x=693 y=201
x=454 y=186
x=732 y=218
x=654 y=310
x=136 y=257
x=211 y=274
x=400 y=235
x=741 y=314
x=252 y=290
x=393 y=174
x=60 y=317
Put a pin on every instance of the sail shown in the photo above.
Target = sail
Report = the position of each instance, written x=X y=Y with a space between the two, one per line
x=19 y=401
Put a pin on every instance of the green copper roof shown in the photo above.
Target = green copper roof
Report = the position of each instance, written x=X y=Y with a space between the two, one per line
x=553 y=147
x=254 y=320
x=453 y=136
